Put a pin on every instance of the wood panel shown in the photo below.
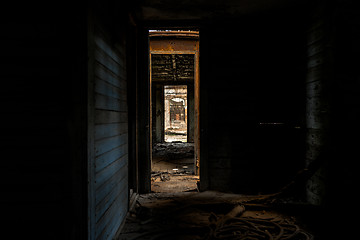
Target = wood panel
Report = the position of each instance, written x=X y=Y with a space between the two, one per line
x=108 y=76
x=110 y=156
x=110 y=135
x=107 y=89
x=110 y=130
x=105 y=189
x=110 y=117
x=110 y=103
x=172 y=67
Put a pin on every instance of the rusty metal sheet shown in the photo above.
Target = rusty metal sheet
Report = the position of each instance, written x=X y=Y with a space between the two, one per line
x=174 y=45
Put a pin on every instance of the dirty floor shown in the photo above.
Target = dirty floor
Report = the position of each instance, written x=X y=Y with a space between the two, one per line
x=215 y=215
x=165 y=179
x=173 y=168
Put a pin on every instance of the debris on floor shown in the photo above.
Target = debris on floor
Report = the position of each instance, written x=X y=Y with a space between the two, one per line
x=173 y=150
x=173 y=168
x=208 y=215
x=165 y=182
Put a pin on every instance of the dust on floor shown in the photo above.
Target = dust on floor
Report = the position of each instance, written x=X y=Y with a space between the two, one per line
x=173 y=168
x=208 y=215
x=173 y=176
x=174 y=183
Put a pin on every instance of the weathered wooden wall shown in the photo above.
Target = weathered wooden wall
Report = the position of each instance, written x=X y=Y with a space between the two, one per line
x=108 y=122
x=158 y=111
x=173 y=68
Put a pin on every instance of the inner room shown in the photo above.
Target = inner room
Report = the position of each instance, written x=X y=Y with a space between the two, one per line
x=173 y=61
x=175 y=113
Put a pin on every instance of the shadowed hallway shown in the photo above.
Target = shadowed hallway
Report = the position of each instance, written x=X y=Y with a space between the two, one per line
x=272 y=101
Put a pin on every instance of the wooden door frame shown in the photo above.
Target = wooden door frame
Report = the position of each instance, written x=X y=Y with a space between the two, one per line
x=180 y=49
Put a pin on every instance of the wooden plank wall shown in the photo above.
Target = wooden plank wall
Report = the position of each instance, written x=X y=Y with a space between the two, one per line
x=172 y=68
x=110 y=136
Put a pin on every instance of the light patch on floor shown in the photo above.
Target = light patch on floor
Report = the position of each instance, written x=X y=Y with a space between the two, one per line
x=174 y=184
x=173 y=168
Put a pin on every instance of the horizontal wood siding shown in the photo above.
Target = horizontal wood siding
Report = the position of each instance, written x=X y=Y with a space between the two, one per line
x=172 y=67
x=110 y=137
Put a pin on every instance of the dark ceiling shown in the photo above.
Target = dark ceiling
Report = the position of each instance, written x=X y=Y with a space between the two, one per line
x=201 y=9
